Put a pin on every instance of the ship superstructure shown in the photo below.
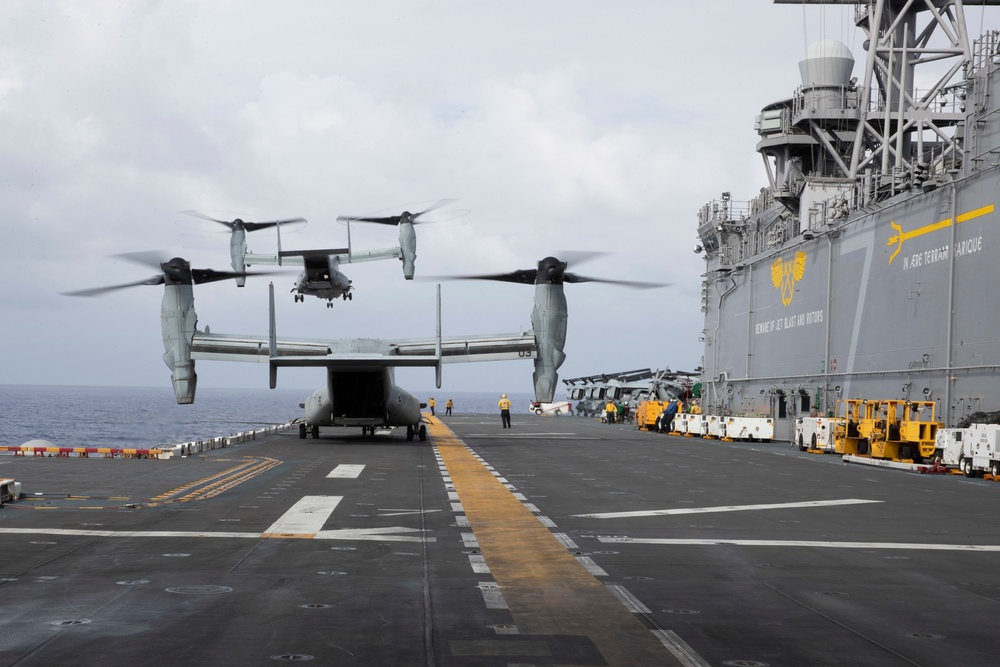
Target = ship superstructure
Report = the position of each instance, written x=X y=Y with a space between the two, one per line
x=867 y=268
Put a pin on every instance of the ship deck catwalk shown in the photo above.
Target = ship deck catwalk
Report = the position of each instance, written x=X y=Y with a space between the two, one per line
x=562 y=541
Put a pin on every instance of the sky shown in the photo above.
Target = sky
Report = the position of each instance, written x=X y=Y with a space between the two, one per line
x=555 y=125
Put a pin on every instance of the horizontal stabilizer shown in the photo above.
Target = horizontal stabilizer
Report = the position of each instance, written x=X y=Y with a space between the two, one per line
x=314 y=253
x=355 y=351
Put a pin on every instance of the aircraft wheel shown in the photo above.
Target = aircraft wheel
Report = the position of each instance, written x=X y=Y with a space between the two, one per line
x=329 y=304
x=302 y=431
x=409 y=432
x=423 y=433
x=350 y=296
x=315 y=432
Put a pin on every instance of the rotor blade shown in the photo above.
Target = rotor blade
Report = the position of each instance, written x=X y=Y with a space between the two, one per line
x=201 y=276
x=394 y=219
x=97 y=291
x=574 y=278
x=438 y=204
x=390 y=220
x=574 y=257
x=254 y=226
x=151 y=258
x=525 y=277
x=199 y=214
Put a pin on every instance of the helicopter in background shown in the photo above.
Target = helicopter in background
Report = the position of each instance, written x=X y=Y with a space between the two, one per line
x=321 y=274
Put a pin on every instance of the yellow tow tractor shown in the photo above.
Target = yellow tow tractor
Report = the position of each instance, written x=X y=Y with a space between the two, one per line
x=886 y=429
x=646 y=414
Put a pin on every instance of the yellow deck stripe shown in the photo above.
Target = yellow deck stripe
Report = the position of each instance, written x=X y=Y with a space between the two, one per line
x=547 y=591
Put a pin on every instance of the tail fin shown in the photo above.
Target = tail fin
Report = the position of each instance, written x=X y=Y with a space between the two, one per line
x=437 y=346
x=272 y=347
x=277 y=228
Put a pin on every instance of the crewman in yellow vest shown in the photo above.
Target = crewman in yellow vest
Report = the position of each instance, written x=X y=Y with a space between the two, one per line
x=695 y=408
x=504 y=406
x=448 y=406
x=610 y=412
x=431 y=403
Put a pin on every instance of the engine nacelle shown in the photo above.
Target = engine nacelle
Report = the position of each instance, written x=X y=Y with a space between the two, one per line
x=178 y=321
x=238 y=253
x=548 y=320
x=408 y=245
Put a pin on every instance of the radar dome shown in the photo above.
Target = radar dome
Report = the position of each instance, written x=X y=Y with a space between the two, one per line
x=827 y=63
x=38 y=443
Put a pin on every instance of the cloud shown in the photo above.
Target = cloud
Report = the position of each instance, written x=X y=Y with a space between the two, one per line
x=559 y=126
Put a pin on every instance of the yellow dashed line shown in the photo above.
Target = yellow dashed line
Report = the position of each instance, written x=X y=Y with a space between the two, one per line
x=547 y=591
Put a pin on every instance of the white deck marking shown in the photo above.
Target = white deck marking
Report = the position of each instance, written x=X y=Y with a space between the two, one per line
x=630 y=601
x=307 y=516
x=492 y=595
x=910 y=546
x=478 y=562
x=679 y=648
x=726 y=508
x=369 y=534
x=398 y=512
x=346 y=471
x=375 y=534
x=590 y=566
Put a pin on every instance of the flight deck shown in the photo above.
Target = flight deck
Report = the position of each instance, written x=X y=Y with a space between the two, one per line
x=561 y=541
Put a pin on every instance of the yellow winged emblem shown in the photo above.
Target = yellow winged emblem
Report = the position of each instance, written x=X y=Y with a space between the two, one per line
x=785 y=274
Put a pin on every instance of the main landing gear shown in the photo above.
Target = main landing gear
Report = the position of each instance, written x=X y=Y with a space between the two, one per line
x=299 y=298
x=420 y=430
x=305 y=430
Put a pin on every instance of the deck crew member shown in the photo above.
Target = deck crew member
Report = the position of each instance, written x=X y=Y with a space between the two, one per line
x=447 y=407
x=504 y=405
x=667 y=418
x=610 y=412
x=431 y=403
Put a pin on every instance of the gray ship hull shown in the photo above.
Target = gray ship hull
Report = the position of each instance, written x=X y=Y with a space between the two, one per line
x=862 y=321
x=868 y=268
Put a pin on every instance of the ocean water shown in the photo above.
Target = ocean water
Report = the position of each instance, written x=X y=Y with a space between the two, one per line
x=73 y=416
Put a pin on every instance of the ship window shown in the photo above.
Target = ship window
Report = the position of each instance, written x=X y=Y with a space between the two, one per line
x=782 y=407
x=805 y=405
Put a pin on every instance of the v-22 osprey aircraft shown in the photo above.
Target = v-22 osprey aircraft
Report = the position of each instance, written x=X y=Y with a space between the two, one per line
x=360 y=387
x=321 y=275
